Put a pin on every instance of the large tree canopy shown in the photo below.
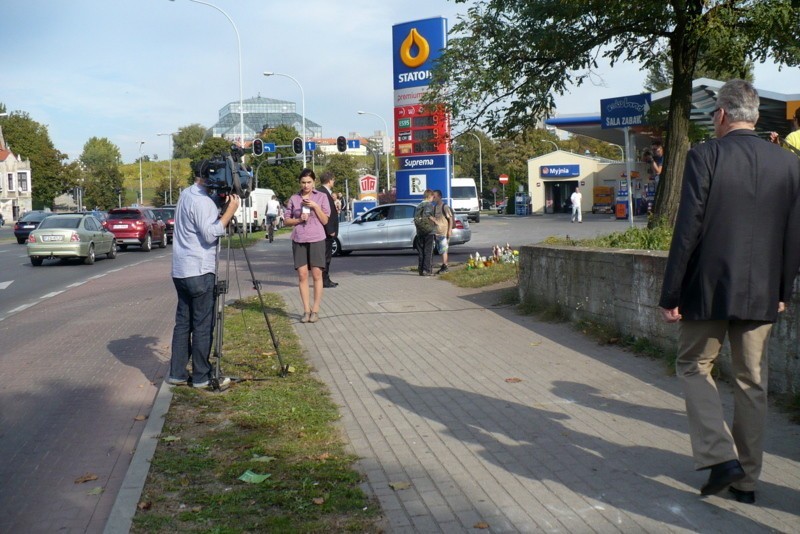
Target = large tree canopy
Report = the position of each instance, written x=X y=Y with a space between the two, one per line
x=187 y=140
x=507 y=59
x=31 y=140
x=101 y=177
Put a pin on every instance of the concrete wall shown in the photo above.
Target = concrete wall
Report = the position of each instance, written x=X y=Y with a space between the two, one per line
x=620 y=288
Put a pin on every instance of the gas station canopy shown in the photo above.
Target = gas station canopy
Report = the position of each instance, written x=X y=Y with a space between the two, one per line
x=772 y=115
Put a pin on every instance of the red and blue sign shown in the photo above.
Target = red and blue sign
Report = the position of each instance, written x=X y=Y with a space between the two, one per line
x=422 y=133
x=559 y=171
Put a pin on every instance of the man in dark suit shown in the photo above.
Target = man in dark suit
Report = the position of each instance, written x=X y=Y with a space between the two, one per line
x=331 y=228
x=734 y=256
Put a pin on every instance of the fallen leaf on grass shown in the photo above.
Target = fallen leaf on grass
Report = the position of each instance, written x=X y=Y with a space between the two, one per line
x=481 y=524
x=324 y=456
x=144 y=505
x=171 y=438
x=253 y=478
x=140 y=418
x=318 y=501
x=535 y=343
x=397 y=486
x=290 y=369
x=197 y=509
x=86 y=478
x=265 y=459
x=513 y=380
x=96 y=491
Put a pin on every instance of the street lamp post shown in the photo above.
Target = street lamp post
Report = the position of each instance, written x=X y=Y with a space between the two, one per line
x=480 y=162
x=170 y=163
x=549 y=141
x=386 y=149
x=239 y=48
x=141 y=196
x=302 y=104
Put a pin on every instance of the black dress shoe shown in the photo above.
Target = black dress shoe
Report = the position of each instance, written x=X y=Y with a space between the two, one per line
x=329 y=284
x=747 y=497
x=722 y=475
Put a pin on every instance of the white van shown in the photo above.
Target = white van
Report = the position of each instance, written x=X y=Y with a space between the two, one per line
x=464 y=193
x=253 y=210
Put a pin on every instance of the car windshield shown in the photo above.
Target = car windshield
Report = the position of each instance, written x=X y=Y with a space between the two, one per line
x=60 y=222
x=33 y=217
x=134 y=215
x=463 y=191
x=163 y=214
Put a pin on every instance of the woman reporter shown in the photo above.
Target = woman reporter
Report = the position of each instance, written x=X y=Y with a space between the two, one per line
x=307 y=212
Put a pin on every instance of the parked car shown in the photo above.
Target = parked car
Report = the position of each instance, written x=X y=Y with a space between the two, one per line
x=166 y=214
x=28 y=223
x=388 y=227
x=70 y=235
x=138 y=227
x=501 y=208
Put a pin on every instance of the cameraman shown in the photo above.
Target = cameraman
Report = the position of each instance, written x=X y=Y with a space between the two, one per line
x=198 y=226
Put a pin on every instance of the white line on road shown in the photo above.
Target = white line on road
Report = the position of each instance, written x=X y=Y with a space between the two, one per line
x=49 y=295
x=4 y=285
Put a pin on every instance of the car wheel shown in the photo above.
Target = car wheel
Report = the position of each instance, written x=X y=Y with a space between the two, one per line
x=89 y=260
x=336 y=247
x=123 y=247
x=478 y=218
x=163 y=242
x=113 y=252
x=147 y=246
x=20 y=240
x=36 y=262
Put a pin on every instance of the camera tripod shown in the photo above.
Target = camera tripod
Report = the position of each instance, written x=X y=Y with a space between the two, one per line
x=220 y=289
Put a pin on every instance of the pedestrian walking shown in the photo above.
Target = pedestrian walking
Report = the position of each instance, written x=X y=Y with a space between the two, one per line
x=575 y=198
x=731 y=267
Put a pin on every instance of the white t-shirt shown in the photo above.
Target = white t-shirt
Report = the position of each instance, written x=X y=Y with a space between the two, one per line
x=273 y=206
x=576 y=198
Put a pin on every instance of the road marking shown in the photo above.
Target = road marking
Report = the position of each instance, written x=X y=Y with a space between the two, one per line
x=76 y=284
x=49 y=295
x=4 y=285
x=20 y=308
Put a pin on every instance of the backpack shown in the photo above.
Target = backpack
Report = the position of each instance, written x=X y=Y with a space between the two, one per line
x=422 y=219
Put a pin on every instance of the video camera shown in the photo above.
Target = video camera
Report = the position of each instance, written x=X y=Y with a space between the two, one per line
x=224 y=175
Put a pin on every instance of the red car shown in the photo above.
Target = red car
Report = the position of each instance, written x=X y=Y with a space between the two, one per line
x=136 y=226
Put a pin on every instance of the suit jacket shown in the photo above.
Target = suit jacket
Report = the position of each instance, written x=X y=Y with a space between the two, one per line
x=736 y=246
x=332 y=227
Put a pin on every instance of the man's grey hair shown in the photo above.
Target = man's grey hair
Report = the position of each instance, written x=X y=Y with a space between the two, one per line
x=740 y=101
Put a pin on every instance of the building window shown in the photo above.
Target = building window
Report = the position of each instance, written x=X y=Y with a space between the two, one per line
x=22 y=180
x=11 y=182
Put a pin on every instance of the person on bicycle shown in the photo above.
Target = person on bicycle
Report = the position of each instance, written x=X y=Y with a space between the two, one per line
x=273 y=207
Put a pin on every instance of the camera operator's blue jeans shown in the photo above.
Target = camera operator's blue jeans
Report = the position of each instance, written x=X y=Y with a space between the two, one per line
x=194 y=327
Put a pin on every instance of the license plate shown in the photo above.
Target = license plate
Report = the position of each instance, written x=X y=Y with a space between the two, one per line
x=52 y=238
x=120 y=226
x=29 y=226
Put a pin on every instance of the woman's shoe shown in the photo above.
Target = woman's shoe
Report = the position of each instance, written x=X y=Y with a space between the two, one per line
x=313 y=318
x=306 y=317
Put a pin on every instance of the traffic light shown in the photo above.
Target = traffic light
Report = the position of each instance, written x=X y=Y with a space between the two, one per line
x=341 y=143
x=258 y=147
x=297 y=145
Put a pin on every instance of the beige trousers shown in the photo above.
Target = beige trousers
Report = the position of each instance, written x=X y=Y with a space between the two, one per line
x=712 y=441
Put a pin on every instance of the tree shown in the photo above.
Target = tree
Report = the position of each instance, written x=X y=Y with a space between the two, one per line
x=187 y=140
x=31 y=140
x=101 y=175
x=659 y=75
x=506 y=59
x=281 y=178
x=343 y=167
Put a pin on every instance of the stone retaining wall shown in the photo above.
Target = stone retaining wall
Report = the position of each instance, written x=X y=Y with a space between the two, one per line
x=620 y=289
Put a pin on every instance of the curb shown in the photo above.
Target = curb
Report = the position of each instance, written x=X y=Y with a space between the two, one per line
x=121 y=517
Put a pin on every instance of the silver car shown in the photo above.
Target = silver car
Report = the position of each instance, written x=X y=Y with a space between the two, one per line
x=389 y=227
x=70 y=235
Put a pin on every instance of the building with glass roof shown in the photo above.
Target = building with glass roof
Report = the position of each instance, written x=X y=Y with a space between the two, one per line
x=259 y=114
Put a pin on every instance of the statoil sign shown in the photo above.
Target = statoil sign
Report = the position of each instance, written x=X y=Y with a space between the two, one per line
x=422 y=132
x=416 y=46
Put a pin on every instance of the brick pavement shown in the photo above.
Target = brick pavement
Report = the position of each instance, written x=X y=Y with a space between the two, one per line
x=76 y=372
x=591 y=439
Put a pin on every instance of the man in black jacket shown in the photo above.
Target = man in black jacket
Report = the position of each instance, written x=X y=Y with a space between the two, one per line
x=734 y=256
x=331 y=227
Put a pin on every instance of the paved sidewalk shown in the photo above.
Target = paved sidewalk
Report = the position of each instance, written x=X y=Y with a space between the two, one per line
x=590 y=439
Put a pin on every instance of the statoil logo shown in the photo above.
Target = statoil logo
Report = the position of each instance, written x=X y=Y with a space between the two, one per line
x=423 y=50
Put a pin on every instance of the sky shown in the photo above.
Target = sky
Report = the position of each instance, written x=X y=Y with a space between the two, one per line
x=128 y=70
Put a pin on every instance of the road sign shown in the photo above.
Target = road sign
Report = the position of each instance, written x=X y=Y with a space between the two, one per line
x=353 y=143
x=269 y=147
x=503 y=179
x=311 y=146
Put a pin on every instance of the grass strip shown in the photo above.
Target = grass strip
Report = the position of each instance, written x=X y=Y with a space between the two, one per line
x=281 y=427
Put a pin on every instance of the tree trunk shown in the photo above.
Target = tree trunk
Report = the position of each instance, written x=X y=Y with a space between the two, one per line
x=684 y=48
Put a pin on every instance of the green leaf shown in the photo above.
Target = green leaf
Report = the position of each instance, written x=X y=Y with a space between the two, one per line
x=253 y=478
x=96 y=491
